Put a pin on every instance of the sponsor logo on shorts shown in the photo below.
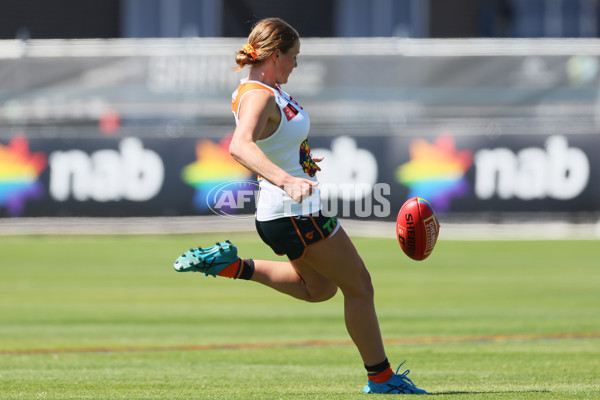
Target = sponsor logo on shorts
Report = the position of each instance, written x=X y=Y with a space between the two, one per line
x=330 y=224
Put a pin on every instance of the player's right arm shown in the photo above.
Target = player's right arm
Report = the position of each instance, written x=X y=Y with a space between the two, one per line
x=258 y=114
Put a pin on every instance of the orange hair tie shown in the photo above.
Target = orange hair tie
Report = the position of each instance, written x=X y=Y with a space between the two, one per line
x=250 y=51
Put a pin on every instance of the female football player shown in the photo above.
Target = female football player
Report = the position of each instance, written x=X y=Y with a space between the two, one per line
x=270 y=139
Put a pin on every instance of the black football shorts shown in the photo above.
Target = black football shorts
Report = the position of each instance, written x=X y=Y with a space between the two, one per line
x=291 y=236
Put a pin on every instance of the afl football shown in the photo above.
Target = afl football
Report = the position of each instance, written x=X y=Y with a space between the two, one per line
x=417 y=228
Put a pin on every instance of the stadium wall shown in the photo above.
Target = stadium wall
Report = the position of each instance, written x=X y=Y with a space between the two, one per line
x=367 y=177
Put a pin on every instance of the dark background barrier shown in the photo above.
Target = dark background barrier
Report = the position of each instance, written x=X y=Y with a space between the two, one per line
x=163 y=177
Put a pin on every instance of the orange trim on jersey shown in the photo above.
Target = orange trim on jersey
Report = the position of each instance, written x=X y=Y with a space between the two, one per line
x=241 y=90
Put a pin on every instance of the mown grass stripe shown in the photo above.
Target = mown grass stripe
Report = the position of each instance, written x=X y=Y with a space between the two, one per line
x=313 y=343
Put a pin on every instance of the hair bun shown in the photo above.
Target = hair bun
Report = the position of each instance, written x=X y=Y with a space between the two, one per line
x=250 y=52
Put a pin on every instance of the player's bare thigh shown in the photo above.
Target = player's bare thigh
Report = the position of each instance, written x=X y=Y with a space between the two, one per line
x=317 y=286
x=336 y=260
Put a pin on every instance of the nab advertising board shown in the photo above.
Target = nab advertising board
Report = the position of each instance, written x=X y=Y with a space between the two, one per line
x=361 y=177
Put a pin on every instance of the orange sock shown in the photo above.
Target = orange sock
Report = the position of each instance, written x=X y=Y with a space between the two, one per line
x=382 y=376
x=240 y=269
x=232 y=269
x=379 y=373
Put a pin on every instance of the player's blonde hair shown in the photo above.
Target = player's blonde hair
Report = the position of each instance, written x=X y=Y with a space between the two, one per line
x=267 y=35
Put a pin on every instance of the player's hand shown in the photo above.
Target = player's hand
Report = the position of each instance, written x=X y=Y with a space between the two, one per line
x=299 y=188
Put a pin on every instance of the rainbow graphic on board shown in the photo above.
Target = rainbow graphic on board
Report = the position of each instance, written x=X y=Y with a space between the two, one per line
x=20 y=171
x=436 y=171
x=213 y=167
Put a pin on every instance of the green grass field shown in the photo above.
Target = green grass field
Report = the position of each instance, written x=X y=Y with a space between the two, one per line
x=106 y=317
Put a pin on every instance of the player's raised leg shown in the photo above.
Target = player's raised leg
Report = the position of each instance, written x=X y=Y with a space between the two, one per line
x=222 y=260
x=297 y=279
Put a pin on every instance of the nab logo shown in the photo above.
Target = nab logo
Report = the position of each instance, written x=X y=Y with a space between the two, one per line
x=559 y=172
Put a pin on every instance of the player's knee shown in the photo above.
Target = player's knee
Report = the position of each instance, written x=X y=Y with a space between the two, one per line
x=361 y=286
x=323 y=294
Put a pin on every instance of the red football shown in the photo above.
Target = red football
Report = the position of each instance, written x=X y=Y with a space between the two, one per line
x=417 y=228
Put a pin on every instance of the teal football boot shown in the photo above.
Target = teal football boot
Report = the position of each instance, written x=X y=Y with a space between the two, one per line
x=397 y=384
x=210 y=261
